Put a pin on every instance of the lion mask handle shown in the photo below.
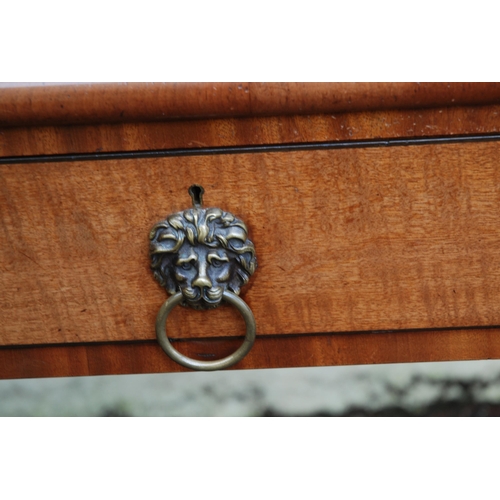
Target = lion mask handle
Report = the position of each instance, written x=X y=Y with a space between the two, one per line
x=202 y=257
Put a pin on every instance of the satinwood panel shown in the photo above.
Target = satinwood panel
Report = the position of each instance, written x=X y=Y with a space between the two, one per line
x=347 y=240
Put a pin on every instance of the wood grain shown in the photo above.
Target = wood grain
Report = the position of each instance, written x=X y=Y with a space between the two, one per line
x=444 y=121
x=347 y=240
x=112 y=103
x=271 y=351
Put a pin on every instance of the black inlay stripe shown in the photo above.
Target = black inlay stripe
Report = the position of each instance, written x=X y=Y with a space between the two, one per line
x=268 y=148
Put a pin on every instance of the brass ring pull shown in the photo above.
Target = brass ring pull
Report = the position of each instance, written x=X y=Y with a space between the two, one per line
x=202 y=256
x=195 y=364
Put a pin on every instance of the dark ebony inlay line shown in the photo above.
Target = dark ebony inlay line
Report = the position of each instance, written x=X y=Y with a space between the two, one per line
x=268 y=148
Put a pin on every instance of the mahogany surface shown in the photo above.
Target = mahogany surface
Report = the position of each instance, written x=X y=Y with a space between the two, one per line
x=267 y=352
x=250 y=131
x=405 y=239
x=126 y=102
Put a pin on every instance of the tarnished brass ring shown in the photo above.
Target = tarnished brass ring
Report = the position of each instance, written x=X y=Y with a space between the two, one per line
x=238 y=355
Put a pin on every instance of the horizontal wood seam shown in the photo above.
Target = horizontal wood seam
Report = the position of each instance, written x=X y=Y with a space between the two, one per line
x=270 y=337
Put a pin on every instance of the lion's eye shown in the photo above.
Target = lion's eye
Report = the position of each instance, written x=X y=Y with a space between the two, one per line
x=216 y=263
x=186 y=266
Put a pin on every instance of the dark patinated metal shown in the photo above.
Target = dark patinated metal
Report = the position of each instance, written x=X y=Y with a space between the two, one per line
x=202 y=256
x=202 y=252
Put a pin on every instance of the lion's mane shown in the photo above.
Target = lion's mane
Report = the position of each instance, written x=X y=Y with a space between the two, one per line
x=211 y=227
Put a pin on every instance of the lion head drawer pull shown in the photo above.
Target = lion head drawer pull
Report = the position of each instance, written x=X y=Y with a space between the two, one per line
x=202 y=256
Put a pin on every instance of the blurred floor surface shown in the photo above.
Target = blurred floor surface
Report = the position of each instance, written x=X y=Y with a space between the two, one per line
x=451 y=388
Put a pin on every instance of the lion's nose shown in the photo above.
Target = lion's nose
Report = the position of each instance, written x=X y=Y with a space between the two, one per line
x=202 y=282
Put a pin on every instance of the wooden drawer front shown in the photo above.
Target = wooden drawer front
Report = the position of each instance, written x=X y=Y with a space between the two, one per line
x=347 y=240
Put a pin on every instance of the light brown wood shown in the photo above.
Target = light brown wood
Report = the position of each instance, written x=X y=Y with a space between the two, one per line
x=443 y=121
x=111 y=103
x=347 y=240
x=403 y=237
